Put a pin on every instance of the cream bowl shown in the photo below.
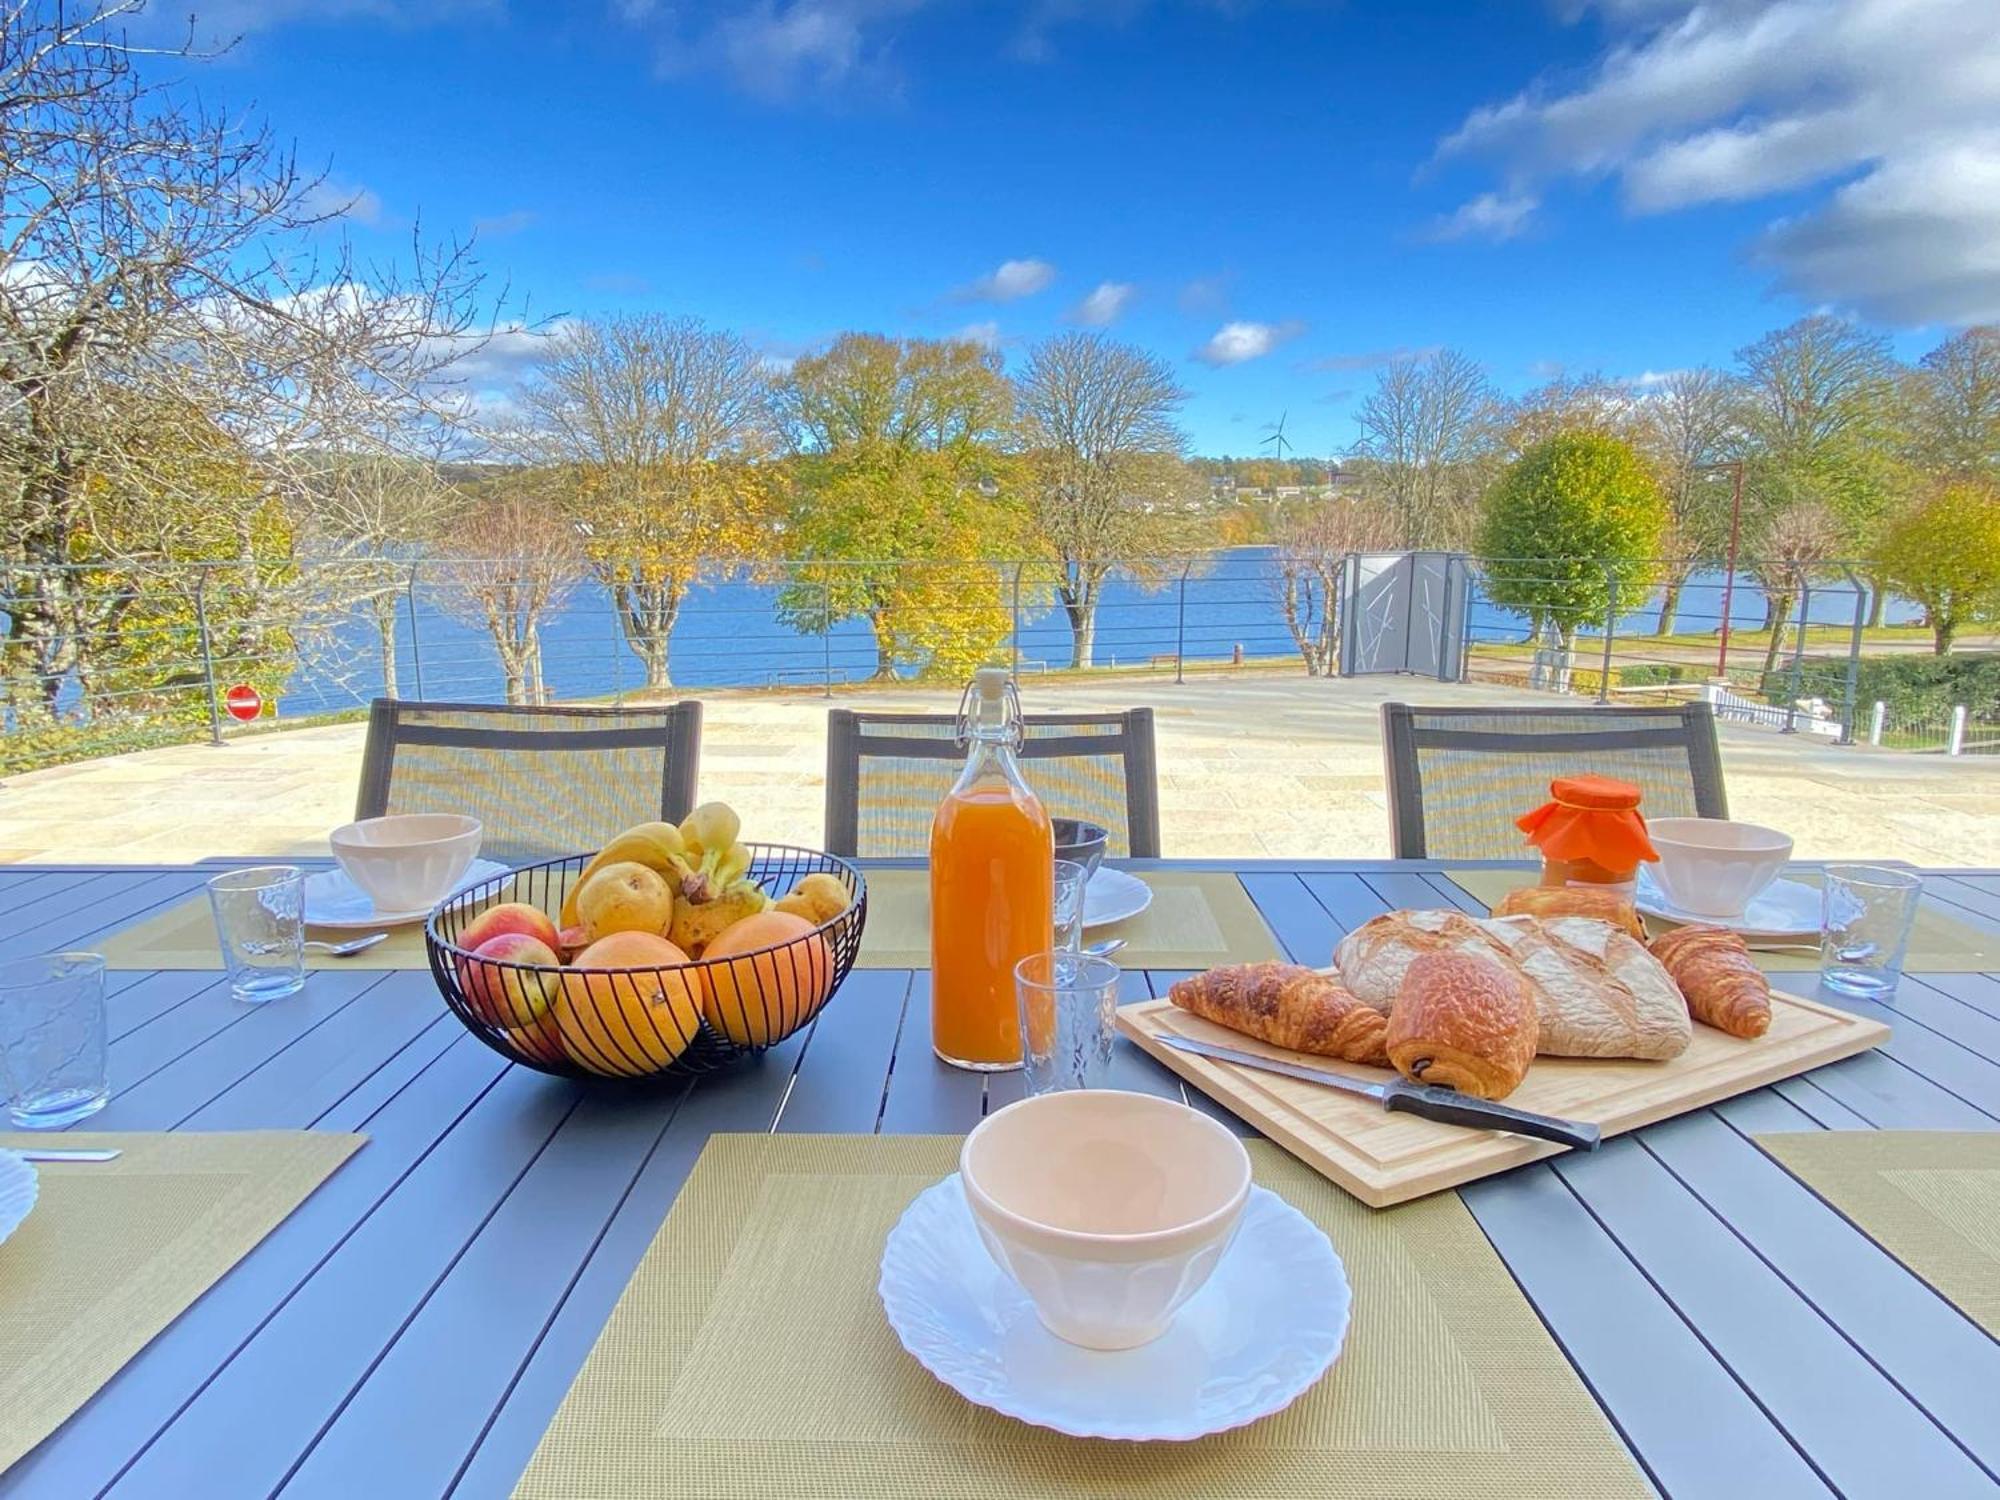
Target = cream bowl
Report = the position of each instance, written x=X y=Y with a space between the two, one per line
x=407 y=861
x=1110 y=1209
x=1714 y=867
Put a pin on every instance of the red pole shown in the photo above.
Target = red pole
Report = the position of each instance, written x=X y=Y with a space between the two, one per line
x=1729 y=579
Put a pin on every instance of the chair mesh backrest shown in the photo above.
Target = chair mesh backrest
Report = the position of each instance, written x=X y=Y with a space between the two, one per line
x=544 y=781
x=1458 y=778
x=888 y=772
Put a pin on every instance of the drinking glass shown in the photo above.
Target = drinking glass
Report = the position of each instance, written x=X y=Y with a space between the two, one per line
x=52 y=1039
x=1866 y=913
x=1071 y=878
x=1069 y=1003
x=260 y=920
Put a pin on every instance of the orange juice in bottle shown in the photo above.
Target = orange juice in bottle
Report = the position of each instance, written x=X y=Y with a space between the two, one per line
x=992 y=886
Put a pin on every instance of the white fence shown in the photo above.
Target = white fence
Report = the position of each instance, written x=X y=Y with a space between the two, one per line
x=1811 y=717
x=1954 y=732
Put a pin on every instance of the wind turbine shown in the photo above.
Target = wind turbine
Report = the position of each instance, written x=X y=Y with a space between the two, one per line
x=1277 y=442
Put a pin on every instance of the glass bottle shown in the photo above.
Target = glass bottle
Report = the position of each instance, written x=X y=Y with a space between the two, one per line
x=1590 y=832
x=992 y=885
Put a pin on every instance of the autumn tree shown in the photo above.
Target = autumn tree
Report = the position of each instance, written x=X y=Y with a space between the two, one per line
x=901 y=497
x=1427 y=438
x=1570 y=531
x=1945 y=554
x=1684 y=427
x=1311 y=538
x=656 y=426
x=1567 y=403
x=1955 y=407
x=527 y=560
x=1095 y=419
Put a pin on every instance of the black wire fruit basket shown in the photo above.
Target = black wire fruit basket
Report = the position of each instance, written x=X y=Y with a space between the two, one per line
x=657 y=1019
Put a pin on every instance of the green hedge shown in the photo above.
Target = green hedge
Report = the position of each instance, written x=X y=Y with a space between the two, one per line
x=1910 y=684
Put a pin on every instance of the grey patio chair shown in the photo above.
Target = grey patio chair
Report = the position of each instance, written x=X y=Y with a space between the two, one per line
x=886 y=774
x=1458 y=777
x=545 y=781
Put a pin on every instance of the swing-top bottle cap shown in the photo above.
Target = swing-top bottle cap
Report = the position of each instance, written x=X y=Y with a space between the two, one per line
x=989 y=684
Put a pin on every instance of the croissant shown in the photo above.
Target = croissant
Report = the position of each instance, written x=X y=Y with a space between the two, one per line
x=1573 y=901
x=1463 y=1022
x=1723 y=985
x=1287 y=1005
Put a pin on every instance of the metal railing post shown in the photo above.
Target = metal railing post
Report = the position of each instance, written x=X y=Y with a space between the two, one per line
x=617 y=652
x=207 y=655
x=1180 y=629
x=1875 y=722
x=416 y=644
x=1798 y=656
x=1014 y=633
x=1610 y=634
x=1956 y=745
x=826 y=633
x=1848 y=705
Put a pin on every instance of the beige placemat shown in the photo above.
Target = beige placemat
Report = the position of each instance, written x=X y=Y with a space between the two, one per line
x=749 y=1359
x=182 y=936
x=1198 y=919
x=1938 y=944
x=1931 y=1198
x=115 y=1251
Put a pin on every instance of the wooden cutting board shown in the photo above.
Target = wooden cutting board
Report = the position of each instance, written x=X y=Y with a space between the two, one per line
x=1383 y=1158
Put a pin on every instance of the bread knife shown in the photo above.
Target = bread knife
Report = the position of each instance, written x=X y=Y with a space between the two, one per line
x=1427 y=1101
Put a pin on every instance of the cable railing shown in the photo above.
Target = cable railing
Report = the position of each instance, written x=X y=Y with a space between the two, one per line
x=109 y=656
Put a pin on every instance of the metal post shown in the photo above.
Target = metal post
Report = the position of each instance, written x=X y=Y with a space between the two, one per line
x=1180 y=629
x=1610 y=631
x=826 y=632
x=1729 y=579
x=1853 y=657
x=1015 y=634
x=1957 y=744
x=1875 y=722
x=617 y=651
x=416 y=648
x=1798 y=655
x=207 y=655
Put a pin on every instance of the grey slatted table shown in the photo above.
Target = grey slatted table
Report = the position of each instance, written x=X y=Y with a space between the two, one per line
x=411 y=1329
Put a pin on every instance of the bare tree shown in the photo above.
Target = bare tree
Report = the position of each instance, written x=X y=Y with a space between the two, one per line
x=1955 y=402
x=1312 y=537
x=1427 y=432
x=1684 y=427
x=1097 y=420
x=655 y=424
x=1798 y=543
x=530 y=561
x=1569 y=403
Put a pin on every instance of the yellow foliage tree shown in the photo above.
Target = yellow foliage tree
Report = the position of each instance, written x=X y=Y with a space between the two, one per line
x=1945 y=554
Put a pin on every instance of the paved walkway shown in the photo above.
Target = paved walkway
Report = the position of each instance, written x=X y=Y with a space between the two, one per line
x=1277 y=766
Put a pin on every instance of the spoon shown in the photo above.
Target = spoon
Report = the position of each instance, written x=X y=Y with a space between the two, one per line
x=1106 y=948
x=347 y=949
x=43 y=1155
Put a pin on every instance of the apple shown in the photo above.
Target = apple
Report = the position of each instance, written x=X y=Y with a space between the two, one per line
x=507 y=997
x=508 y=916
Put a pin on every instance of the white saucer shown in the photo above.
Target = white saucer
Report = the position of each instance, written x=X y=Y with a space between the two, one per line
x=1269 y=1323
x=334 y=901
x=1112 y=896
x=18 y=1189
x=1783 y=909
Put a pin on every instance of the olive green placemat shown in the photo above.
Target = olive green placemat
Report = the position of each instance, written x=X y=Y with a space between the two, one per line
x=182 y=936
x=1931 y=1198
x=1198 y=919
x=115 y=1251
x=749 y=1359
x=1938 y=944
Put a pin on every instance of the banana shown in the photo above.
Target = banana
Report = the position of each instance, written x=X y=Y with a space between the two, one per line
x=657 y=846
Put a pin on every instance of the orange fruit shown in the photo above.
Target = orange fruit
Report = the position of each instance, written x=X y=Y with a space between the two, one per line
x=775 y=973
x=629 y=1005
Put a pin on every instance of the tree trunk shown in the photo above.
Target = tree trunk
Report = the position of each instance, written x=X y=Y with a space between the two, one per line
x=1944 y=626
x=1878 y=601
x=384 y=606
x=1778 y=607
x=885 y=644
x=647 y=613
x=1078 y=592
x=1670 y=603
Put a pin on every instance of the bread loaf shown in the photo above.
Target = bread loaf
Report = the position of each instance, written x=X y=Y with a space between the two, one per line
x=1464 y=1022
x=1598 y=992
x=1573 y=901
x=1287 y=1005
x=1723 y=985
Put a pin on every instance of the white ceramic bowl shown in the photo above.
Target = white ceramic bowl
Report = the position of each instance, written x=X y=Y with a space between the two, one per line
x=408 y=861
x=1110 y=1209
x=1712 y=867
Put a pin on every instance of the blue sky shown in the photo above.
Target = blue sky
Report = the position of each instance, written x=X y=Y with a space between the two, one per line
x=1273 y=194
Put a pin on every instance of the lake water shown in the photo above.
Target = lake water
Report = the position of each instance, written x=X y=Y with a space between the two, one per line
x=729 y=634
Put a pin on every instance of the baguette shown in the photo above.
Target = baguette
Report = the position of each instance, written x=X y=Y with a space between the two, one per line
x=1573 y=901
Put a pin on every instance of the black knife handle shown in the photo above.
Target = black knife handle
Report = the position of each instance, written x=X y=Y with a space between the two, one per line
x=1449 y=1107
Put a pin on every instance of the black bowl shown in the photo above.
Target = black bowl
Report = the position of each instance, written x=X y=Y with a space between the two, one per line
x=1081 y=842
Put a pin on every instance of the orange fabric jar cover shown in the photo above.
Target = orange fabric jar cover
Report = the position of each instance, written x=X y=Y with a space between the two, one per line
x=1592 y=818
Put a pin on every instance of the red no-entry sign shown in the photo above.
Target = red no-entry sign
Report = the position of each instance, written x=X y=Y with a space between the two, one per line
x=243 y=702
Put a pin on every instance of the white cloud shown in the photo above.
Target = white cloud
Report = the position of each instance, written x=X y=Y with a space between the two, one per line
x=1887 y=112
x=328 y=199
x=1490 y=216
x=985 y=334
x=492 y=226
x=1104 y=306
x=218 y=22
x=779 y=50
x=1363 y=359
x=1238 y=343
x=1009 y=282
